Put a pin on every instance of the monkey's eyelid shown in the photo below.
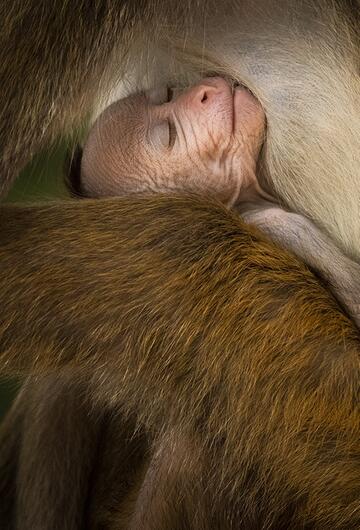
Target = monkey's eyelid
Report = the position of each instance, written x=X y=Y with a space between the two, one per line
x=159 y=134
x=172 y=133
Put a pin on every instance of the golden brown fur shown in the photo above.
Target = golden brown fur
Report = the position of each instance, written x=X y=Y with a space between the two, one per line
x=222 y=324
x=173 y=311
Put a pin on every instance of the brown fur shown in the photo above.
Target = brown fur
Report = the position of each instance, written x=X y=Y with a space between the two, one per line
x=49 y=95
x=269 y=398
x=222 y=325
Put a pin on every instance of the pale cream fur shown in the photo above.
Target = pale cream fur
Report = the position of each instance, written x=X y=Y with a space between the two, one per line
x=303 y=64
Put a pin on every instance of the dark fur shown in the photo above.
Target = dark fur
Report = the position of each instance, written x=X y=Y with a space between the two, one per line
x=53 y=61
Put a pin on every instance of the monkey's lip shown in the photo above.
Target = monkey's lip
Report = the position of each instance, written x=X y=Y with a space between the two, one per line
x=242 y=99
x=242 y=96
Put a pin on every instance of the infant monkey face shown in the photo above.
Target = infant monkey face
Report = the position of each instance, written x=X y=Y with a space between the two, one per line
x=205 y=140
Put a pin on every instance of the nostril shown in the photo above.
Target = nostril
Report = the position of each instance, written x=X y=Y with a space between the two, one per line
x=204 y=97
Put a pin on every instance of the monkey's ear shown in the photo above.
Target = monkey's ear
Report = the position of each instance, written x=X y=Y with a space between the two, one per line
x=72 y=172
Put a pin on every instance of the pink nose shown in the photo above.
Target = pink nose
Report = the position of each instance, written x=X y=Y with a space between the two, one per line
x=209 y=89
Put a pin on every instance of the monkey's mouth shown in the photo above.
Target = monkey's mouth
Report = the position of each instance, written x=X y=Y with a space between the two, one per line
x=237 y=85
x=233 y=83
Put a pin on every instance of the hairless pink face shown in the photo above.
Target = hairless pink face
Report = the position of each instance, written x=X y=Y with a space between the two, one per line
x=206 y=140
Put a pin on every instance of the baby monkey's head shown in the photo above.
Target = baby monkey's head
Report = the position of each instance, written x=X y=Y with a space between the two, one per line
x=205 y=140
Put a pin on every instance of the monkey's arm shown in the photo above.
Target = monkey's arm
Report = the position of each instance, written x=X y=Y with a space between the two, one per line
x=301 y=236
x=178 y=312
x=78 y=277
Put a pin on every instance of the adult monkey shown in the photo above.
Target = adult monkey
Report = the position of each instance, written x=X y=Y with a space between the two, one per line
x=327 y=56
x=261 y=384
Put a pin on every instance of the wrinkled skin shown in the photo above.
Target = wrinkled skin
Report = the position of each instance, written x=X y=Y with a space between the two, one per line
x=205 y=140
x=304 y=398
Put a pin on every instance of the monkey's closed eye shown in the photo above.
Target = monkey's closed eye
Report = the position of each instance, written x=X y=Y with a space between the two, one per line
x=172 y=133
x=160 y=134
x=163 y=134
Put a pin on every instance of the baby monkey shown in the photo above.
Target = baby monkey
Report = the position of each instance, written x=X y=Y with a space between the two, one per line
x=206 y=140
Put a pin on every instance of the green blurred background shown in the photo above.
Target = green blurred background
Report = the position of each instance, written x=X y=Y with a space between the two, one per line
x=41 y=180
